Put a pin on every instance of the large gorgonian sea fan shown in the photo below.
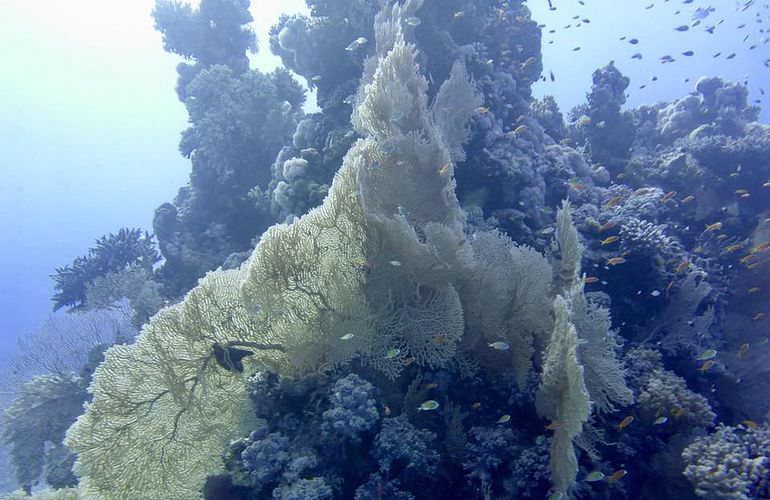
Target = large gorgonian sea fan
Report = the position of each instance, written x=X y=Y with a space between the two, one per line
x=164 y=408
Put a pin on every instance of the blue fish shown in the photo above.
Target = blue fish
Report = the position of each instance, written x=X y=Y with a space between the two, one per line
x=701 y=13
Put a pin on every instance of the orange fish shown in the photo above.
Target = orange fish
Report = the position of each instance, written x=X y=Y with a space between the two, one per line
x=684 y=265
x=606 y=226
x=750 y=424
x=666 y=197
x=617 y=475
x=668 y=287
x=716 y=226
x=688 y=199
x=706 y=365
x=609 y=240
x=614 y=261
x=743 y=349
x=625 y=422
x=590 y=279
x=612 y=202
x=555 y=424
x=733 y=248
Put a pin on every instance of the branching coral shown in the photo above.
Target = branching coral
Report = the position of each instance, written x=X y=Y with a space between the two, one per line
x=354 y=408
x=730 y=464
x=400 y=445
x=113 y=252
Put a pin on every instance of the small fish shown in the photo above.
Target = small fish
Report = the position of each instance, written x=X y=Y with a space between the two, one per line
x=757 y=316
x=612 y=202
x=733 y=248
x=520 y=129
x=444 y=169
x=655 y=293
x=716 y=226
x=688 y=53
x=347 y=336
x=731 y=56
x=684 y=265
x=609 y=240
x=688 y=199
x=476 y=405
x=683 y=27
x=395 y=263
x=741 y=191
x=459 y=14
x=633 y=41
x=636 y=56
x=408 y=361
x=555 y=424
x=553 y=78
x=482 y=109
x=529 y=62
x=504 y=419
x=386 y=410
x=413 y=21
x=706 y=365
x=355 y=44
x=614 y=261
x=625 y=422
x=606 y=226
x=753 y=289
x=617 y=475
x=750 y=424
x=766 y=185
x=706 y=355
x=590 y=279
x=743 y=349
x=717 y=55
x=666 y=197
x=392 y=353
x=428 y=405
x=432 y=385
x=595 y=476
x=660 y=421
x=500 y=345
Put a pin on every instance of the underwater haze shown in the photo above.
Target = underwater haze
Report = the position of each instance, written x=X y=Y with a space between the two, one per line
x=390 y=249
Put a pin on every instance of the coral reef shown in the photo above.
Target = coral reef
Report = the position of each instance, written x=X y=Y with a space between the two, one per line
x=112 y=253
x=731 y=463
x=354 y=409
x=464 y=295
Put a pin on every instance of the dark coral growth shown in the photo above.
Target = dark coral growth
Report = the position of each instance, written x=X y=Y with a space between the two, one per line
x=114 y=252
x=240 y=119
